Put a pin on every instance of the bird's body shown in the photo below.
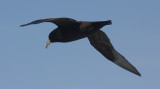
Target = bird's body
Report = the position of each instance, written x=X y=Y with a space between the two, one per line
x=70 y=30
x=74 y=32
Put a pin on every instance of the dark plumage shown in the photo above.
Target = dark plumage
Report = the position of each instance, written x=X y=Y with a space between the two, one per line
x=71 y=30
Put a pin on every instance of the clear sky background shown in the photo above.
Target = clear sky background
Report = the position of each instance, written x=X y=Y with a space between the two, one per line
x=26 y=64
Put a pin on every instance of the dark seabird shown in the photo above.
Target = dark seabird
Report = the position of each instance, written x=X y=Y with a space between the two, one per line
x=70 y=30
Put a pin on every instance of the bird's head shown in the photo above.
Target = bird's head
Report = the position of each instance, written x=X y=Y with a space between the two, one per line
x=50 y=39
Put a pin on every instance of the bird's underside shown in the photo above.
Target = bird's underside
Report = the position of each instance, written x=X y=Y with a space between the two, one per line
x=70 y=30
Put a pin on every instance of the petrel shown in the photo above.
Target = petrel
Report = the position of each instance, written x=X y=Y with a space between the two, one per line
x=70 y=30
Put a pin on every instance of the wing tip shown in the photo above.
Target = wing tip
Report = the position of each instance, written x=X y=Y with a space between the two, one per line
x=23 y=25
x=33 y=22
x=137 y=73
x=123 y=63
x=127 y=66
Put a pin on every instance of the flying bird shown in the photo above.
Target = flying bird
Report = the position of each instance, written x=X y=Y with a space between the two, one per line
x=70 y=30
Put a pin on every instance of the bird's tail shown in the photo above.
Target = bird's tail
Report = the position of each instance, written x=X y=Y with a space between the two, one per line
x=109 y=22
x=100 y=24
x=103 y=23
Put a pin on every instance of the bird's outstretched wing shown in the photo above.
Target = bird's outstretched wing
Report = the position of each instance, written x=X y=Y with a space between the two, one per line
x=57 y=21
x=101 y=42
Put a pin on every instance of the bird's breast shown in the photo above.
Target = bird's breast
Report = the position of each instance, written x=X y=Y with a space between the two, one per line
x=68 y=35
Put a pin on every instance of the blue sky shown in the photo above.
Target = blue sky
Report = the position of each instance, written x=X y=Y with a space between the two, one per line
x=26 y=64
